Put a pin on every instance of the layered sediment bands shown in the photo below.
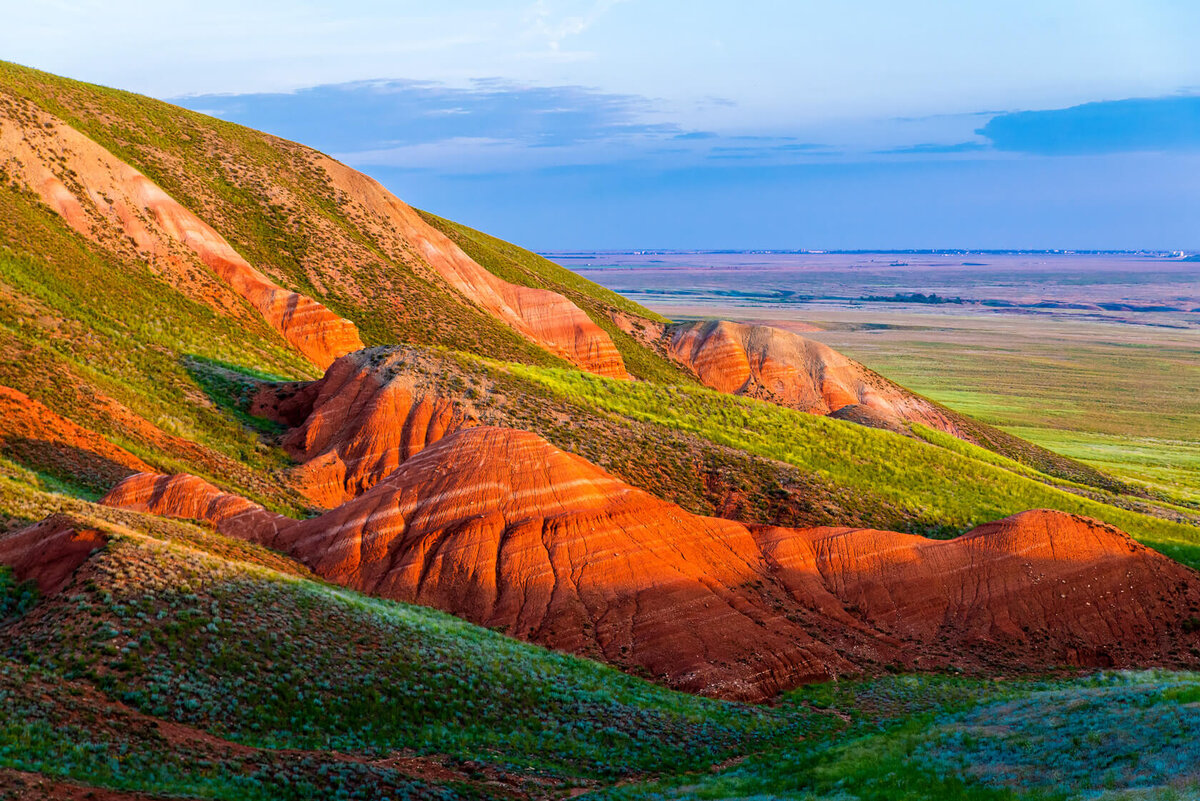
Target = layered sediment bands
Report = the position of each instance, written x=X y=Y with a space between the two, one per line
x=360 y=422
x=36 y=436
x=195 y=499
x=501 y=528
x=542 y=316
x=785 y=368
x=100 y=196
x=47 y=553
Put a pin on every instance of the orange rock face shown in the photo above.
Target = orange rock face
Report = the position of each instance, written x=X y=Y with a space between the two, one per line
x=48 y=552
x=544 y=317
x=195 y=499
x=503 y=529
x=102 y=195
x=359 y=423
x=37 y=435
x=785 y=368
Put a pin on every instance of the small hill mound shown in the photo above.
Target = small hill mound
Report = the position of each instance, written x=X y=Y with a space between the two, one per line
x=501 y=528
x=356 y=425
x=785 y=368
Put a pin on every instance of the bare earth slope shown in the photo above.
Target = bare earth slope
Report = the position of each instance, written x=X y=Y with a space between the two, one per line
x=785 y=368
x=505 y=530
x=547 y=318
x=106 y=199
x=356 y=425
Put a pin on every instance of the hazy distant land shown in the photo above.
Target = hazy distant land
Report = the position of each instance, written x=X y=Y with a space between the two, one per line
x=1102 y=286
x=1096 y=355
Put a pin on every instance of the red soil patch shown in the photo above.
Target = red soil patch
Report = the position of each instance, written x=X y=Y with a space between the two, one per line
x=542 y=316
x=100 y=195
x=48 y=552
x=26 y=786
x=499 y=527
x=34 y=435
x=785 y=368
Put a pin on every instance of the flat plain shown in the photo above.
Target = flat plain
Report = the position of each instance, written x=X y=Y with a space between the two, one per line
x=1096 y=357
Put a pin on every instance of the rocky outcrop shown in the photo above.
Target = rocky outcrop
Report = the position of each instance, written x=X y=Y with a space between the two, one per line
x=100 y=196
x=47 y=553
x=785 y=368
x=357 y=424
x=540 y=315
x=503 y=529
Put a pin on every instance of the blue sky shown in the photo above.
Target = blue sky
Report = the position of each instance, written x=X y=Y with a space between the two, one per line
x=566 y=124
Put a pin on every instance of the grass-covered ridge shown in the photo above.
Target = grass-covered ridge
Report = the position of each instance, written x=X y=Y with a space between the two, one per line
x=272 y=201
x=943 y=486
x=519 y=266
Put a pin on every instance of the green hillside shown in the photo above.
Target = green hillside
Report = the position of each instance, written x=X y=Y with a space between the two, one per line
x=185 y=664
x=278 y=686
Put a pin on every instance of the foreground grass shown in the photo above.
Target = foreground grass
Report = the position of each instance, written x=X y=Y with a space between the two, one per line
x=314 y=691
x=1112 y=735
x=272 y=660
x=945 y=486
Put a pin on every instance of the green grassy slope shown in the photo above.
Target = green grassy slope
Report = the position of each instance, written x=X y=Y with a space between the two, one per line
x=270 y=201
x=1113 y=736
x=952 y=485
x=77 y=324
x=520 y=266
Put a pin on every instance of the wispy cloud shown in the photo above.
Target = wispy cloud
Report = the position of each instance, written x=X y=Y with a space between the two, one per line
x=934 y=148
x=552 y=24
x=370 y=115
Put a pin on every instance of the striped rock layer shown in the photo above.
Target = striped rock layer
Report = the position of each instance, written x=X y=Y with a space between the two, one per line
x=356 y=425
x=785 y=368
x=100 y=195
x=501 y=528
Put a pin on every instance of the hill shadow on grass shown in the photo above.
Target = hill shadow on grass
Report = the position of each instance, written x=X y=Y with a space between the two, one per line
x=231 y=389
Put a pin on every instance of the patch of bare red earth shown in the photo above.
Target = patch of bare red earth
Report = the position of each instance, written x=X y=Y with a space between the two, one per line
x=355 y=425
x=540 y=315
x=36 y=435
x=501 y=528
x=782 y=367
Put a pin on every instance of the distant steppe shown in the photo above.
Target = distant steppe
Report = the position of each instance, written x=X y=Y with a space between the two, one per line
x=1117 y=388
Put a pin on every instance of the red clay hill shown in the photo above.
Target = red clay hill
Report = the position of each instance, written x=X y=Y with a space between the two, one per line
x=109 y=201
x=501 y=528
x=785 y=368
x=355 y=425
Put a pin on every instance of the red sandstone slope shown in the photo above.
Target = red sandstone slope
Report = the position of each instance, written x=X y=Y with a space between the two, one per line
x=779 y=366
x=107 y=200
x=356 y=425
x=499 y=527
x=544 y=317
x=37 y=436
